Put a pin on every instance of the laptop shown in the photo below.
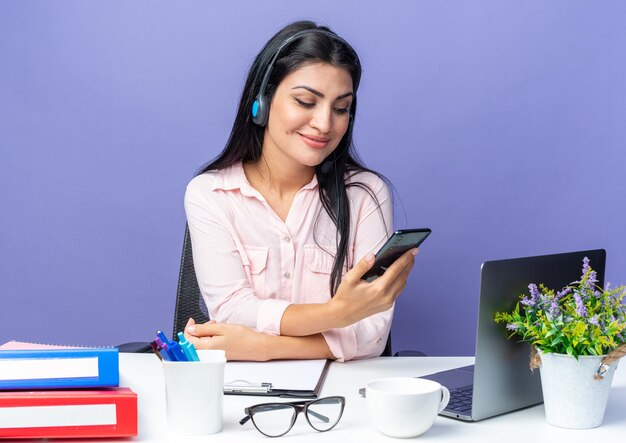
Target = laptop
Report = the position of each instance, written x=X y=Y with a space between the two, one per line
x=500 y=381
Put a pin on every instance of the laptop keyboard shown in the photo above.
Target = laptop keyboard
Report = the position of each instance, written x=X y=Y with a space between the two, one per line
x=461 y=400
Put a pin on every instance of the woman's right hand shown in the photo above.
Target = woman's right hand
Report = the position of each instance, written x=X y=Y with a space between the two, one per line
x=357 y=299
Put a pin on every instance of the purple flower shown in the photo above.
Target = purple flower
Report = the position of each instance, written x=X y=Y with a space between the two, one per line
x=534 y=296
x=580 y=306
x=563 y=293
x=586 y=267
x=594 y=320
x=511 y=327
x=553 y=311
x=592 y=278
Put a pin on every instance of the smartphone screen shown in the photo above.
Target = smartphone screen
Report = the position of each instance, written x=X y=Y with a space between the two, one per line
x=400 y=242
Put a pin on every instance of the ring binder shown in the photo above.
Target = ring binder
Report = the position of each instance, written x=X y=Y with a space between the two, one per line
x=32 y=366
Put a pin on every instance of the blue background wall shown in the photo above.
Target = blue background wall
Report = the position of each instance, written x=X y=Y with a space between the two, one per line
x=501 y=125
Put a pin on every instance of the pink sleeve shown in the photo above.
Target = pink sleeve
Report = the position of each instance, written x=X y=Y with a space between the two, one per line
x=366 y=338
x=219 y=265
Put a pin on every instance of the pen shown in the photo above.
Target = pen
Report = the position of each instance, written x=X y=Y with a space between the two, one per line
x=162 y=341
x=172 y=348
x=161 y=338
x=176 y=351
x=188 y=348
x=160 y=352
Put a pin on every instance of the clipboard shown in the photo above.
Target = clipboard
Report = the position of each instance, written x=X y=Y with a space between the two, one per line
x=279 y=378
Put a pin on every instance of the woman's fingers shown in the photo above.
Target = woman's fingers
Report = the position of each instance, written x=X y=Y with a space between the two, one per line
x=239 y=342
x=393 y=281
x=209 y=329
x=215 y=342
x=399 y=269
x=354 y=275
x=396 y=287
x=207 y=335
x=356 y=299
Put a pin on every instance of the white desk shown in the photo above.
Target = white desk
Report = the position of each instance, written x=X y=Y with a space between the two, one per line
x=143 y=373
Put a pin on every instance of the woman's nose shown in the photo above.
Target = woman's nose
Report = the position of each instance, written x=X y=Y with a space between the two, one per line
x=322 y=120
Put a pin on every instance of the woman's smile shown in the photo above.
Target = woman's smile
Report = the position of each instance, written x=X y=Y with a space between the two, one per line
x=315 y=142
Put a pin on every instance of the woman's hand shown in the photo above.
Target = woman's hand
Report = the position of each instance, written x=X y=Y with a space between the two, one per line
x=239 y=342
x=357 y=299
x=242 y=343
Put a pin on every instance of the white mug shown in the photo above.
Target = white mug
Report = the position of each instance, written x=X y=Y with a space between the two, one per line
x=194 y=394
x=405 y=407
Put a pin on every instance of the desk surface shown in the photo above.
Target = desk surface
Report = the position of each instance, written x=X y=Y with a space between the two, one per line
x=143 y=373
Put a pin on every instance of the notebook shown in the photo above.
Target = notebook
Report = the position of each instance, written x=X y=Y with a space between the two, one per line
x=500 y=381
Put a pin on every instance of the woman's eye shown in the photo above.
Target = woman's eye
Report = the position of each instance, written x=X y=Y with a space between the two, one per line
x=341 y=110
x=304 y=104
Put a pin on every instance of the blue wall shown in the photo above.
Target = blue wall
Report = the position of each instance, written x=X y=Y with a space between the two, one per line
x=501 y=125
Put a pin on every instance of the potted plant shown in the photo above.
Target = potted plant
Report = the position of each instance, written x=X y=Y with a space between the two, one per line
x=577 y=336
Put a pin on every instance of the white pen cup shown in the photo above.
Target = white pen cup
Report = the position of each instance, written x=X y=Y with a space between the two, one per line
x=405 y=407
x=194 y=394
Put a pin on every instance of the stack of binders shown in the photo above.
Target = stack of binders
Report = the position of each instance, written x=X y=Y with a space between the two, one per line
x=60 y=392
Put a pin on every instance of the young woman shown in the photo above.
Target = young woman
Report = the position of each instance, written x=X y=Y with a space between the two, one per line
x=285 y=221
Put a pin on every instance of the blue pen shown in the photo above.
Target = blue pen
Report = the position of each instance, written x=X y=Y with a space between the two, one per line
x=161 y=337
x=162 y=341
x=188 y=348
x=176 y=351
x=164 y=354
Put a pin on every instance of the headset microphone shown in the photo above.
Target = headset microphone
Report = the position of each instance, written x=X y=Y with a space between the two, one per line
x=327 y=166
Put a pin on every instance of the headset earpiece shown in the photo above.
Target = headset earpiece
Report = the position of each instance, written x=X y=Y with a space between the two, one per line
x=260 y=110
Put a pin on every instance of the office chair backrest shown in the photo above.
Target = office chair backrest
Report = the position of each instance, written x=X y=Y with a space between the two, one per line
x=189 y=301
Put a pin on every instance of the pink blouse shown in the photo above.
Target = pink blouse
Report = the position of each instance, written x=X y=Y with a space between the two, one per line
x=251 y=265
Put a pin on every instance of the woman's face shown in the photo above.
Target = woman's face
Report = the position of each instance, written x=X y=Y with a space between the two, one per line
x=309 y=115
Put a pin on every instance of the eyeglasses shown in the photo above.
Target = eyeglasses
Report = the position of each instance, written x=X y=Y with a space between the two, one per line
x=276 y=419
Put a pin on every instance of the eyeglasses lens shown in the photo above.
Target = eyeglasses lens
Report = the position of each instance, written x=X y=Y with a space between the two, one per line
x=273 y=419
x=325 y=413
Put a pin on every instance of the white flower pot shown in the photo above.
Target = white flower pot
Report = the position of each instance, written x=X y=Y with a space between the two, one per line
x=573 y=398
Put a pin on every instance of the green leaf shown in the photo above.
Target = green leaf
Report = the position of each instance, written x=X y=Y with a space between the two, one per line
x=598 y=349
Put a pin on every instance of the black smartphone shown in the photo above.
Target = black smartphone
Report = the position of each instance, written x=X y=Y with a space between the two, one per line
x=400 y=242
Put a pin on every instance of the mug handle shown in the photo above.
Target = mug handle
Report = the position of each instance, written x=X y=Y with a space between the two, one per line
x=445 y=398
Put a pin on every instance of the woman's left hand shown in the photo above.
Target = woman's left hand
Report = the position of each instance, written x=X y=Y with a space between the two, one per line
x=239 y=342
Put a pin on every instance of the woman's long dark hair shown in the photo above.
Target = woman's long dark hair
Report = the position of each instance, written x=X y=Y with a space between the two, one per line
x=246 y=138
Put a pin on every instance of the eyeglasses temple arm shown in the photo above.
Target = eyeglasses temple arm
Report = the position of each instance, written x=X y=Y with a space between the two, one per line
x=244 y=420
x=318 y=416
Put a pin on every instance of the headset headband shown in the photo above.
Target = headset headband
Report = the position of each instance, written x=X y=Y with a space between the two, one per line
x=260 y=107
